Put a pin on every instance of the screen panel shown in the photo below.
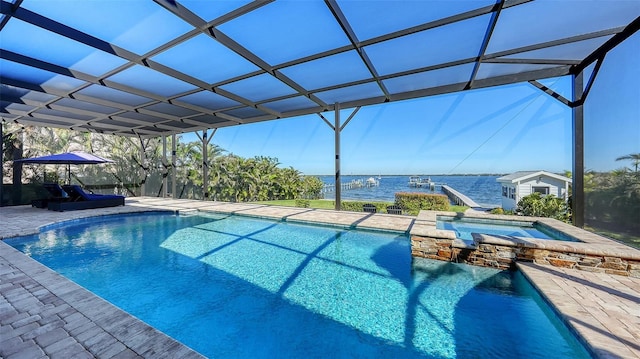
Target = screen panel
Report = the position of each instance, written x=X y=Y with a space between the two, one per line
x=453 y=42
x=285 y=30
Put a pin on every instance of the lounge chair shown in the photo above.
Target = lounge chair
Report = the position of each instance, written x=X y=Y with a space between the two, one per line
x=56 y=194
x=79 y=199
x=394 y=209
x=369 y=208
x=55 y=190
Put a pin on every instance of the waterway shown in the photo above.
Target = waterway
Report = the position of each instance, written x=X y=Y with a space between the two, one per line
x=483 y=189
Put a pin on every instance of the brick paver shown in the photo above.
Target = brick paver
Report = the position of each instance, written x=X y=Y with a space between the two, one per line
x=603 y=309
x=42 y=314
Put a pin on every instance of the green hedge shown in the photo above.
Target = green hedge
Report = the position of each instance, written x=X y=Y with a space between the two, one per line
x=412 y=203
x=356 y=206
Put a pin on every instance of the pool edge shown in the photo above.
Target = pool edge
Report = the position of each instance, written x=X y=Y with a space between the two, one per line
x=563 y=318
x=22 y=220
x=86 y=319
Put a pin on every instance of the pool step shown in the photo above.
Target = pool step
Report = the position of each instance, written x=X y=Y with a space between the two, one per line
x=187 y=212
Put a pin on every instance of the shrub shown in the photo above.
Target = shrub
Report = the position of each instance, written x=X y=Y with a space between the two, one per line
x=548 y=206
x=312 y=187
x=356 y=206
x=303 y=203
x=497 y=211
x=412 y=203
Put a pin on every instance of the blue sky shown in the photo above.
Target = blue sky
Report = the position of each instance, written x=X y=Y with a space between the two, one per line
x=495 y=130
x=430 y=136
x=612 y=110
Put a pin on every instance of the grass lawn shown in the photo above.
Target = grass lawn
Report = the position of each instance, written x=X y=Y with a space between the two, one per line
x=329 y=204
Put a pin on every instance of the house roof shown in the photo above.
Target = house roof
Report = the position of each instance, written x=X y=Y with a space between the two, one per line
x=170 y=66
x=524 y=175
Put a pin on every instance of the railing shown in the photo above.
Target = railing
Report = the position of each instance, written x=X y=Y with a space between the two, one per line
x=344 y=186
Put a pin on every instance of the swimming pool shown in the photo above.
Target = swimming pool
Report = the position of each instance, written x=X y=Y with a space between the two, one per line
x=464 y=228
x=231 y=286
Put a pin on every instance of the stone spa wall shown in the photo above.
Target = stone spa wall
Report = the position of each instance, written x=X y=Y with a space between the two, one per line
x=593 y=253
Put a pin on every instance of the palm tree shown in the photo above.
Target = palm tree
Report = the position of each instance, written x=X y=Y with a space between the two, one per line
x=188 y=168
x=126 y=169
x=290 y=183
x=634 y=157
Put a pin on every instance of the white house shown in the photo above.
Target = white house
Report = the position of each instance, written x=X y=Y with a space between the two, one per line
x=524 y=183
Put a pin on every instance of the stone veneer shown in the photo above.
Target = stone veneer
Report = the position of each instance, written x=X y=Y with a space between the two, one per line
x=593 y=253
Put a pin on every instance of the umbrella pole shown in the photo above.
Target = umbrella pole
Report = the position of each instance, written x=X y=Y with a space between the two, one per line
x=69 y=174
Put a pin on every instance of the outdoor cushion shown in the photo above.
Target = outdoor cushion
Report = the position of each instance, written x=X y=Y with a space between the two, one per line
x=78 y=194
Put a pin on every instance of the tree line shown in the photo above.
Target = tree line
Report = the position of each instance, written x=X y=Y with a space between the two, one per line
x=140 y=161
x=612 y=199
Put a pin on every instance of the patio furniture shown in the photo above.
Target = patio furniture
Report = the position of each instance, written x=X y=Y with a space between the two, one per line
x=68 y=159
x=369 y=208
x=57 y=194
x=394 y=209
x=79 y=199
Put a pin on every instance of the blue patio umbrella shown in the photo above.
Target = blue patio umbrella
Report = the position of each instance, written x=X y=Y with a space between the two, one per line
x=67 y=158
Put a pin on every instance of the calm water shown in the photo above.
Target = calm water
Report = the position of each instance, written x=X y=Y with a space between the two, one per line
x=484 y=190
x=464 y=228
x=232 y=287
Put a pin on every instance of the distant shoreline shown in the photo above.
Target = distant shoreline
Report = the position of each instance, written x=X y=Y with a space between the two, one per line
x=422 y=175
x=483 y=189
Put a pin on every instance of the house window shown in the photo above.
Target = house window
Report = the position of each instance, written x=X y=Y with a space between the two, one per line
x=542 y=190
x=504 y=191
x=512 y=193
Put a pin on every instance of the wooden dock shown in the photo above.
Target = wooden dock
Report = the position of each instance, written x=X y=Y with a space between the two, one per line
x=353 y=184
x=458 y=198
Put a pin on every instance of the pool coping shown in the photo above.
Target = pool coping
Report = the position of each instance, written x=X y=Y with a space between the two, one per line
x=602 y=310
x=43 y=313
x=589 y=243
x=592 y=252
x=622 y=294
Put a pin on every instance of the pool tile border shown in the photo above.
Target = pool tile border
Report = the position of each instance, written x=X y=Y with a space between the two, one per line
x=309 y=222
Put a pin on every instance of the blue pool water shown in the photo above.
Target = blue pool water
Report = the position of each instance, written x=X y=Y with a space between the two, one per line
x=234 y=287
x=464 y=228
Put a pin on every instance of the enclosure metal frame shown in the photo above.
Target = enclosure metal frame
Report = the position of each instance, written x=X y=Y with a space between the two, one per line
x=164 y=123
